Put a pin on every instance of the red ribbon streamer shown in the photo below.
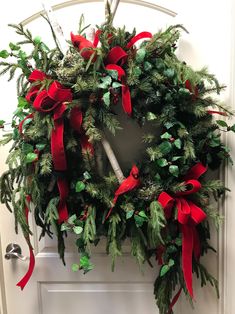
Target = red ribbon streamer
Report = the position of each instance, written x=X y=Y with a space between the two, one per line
x=217 y=112
x=54 y=100
x=22 y=283
x=189 y=215
x=76 y=123
x=174 y=300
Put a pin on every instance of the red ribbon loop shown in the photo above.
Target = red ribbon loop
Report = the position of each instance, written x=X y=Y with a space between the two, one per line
x=22 y=283
x=21 y=124
x=116 y=55
x=139 y=36
x=37 y=75
x=188 y=215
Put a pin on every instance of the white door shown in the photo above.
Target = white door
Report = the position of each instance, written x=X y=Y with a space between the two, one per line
x=55 y=289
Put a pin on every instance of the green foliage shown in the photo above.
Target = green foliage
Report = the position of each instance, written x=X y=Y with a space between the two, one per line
x=156 y=222
x=113 y=239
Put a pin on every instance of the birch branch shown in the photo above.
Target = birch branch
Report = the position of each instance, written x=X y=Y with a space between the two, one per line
x=113 y=160
x=61 y=41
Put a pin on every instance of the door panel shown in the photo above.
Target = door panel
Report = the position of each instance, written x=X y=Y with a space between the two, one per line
x=53 y=288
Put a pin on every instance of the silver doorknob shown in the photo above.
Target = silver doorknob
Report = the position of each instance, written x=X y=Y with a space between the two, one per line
x=14 y=251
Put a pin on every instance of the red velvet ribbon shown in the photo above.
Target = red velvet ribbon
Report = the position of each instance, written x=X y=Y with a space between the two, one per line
x=22 y=283
x=138 y=37
x=188 y=215
x=114 y=60
x=21 y=124
x=53 y=101
x=217 y=112
x=174 y=301
x=76 y=123
x=117 y=58
x=118 y=55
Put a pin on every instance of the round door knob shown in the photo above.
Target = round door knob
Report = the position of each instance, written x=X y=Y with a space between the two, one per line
x=14 y=251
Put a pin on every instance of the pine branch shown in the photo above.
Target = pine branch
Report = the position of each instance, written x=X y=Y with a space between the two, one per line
x=89 y=231
x=113 y=246
x=205 y=276
x=156 y=222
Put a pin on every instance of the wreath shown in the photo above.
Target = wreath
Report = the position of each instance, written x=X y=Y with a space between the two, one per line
x=62 y=133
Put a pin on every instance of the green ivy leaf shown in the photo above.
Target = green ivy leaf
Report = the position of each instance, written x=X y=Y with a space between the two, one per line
x=162 y=162
x=14 y=47
x=2 y=123
x=178 y=241
x=222 y=123
x=171 y=263
x=80 y=186
x=37 y=40
x=169 y=73
x=113 y=74
x=166 y=136
x=106 y=99
x=178 y=143
x=75 y=267
x=164 y=270
x=175 y=158
x=107 y=80
x=173 y=169
x=85 y=263
x=165 y=147
x=15 y=134
x=4 y=54
x=22 y=55
x=22 y=103
x=86 y=175
x=77 y=229
x=64 y=227
x=129 y=214
x=72 y=219
x=151 y=116
x=116 y=85
x=232 y=128
x=139 y=220
x=143 y=215
x=140 y=55
x=31 y=157
x=137 y=71
x=147 y=66
x=27 y=148
x=40 y=146
x=184 y=92
x=169 y=125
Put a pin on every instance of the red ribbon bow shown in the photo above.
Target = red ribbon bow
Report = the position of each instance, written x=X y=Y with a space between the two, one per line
x=188 y=215
x=48 y=101
x=114 y=60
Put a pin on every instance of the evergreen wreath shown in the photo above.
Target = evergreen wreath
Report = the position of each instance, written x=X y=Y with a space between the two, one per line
x=67 y=105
